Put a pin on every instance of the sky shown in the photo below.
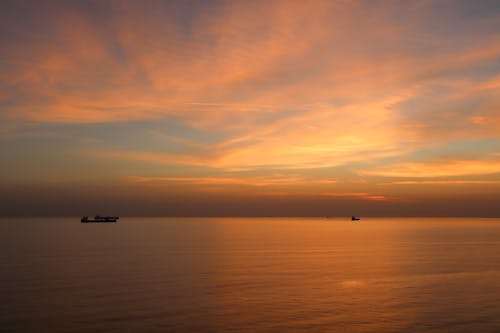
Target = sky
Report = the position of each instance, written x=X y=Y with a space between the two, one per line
x=250 y=108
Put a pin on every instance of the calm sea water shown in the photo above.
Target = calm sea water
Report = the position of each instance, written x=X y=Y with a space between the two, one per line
x=250 y=275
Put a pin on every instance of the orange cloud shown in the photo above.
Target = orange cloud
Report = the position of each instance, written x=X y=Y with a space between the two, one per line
x=276 y=180
x=354 y=195
x=240 y=64
x=363 y=196
x=290 y=185
x=443 y=168
x=444 y=182
x=154 y=158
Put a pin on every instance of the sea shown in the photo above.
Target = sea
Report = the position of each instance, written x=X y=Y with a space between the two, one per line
x=250 y=275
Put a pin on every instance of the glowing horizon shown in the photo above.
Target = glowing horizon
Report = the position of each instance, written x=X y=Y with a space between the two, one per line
x=333 y=107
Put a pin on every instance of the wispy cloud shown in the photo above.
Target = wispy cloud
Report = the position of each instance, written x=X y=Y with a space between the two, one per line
x=275 y=180
x=364 y=196
x=272 y=185
x=443 y=168
x=444 y=182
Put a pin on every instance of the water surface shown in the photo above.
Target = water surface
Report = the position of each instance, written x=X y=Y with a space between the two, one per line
x=250 y=275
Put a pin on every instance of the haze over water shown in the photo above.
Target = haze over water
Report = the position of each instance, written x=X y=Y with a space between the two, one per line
x=250 y=275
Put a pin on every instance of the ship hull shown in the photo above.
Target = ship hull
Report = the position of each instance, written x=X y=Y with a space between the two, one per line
x=97 y=221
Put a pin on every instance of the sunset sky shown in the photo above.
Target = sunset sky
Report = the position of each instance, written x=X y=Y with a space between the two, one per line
x=250 y=108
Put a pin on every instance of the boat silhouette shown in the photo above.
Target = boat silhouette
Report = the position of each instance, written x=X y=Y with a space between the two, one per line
x=98 y=218
x=354 y=218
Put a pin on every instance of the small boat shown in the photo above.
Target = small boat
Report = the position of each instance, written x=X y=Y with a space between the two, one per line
x=98 y=218
x=354 y=218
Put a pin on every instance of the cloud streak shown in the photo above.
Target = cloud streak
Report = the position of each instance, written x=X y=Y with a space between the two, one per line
x=447 y=168
x=273 y=180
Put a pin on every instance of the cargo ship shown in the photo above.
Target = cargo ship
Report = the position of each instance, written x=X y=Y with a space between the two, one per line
x=98 y=218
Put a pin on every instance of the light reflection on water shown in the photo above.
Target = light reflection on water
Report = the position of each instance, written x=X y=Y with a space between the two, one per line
x=250 y=275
